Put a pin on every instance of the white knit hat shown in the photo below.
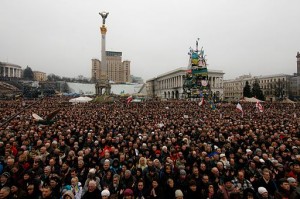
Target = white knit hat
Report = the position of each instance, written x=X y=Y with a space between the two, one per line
x=105 y=192
x=262 y=190
x=92 y=170
x=178 y=193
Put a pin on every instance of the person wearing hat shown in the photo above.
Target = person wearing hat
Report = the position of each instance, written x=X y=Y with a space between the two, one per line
x=279 y=169
x=105 y=194
x=128 y=194
x=169 y=191
x=68 y=195
x=224 y=160
x=292 y=181
x=182 y=182
x=228 y=188
x=5 y=180
x=262 y=193
x=178 y=194
x=295 y=190
x=16 y=191
x=284 y=189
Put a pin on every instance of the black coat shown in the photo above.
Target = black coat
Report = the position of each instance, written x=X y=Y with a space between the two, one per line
x=92 y=195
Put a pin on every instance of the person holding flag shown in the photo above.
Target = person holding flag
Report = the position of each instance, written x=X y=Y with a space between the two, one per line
x=239 y=108
x=129 y=99
x=202 y=102
x=259 y=106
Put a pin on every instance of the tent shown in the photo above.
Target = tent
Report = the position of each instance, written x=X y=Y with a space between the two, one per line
x=252 y=99
x=81 y=100
x=287 y=100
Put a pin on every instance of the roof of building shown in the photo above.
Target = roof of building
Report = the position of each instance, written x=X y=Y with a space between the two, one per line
x=9 y=64
x=182 y=69
x=249 y=77
x=125 y=88
x=89 y=89
x=38 y=72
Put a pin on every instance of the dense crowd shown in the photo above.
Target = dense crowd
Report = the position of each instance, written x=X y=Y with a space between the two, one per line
x=153 y=149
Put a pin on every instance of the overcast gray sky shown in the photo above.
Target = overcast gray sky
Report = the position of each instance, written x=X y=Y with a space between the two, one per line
x=260 y=37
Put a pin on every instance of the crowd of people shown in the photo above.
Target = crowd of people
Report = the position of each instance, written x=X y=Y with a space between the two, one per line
x=152 y=149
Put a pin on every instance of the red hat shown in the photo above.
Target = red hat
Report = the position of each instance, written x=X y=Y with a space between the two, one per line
x=128 y=192
x=157 y=152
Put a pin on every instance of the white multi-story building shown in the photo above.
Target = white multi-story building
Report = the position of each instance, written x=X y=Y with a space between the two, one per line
x=273 y=86
x=10 y=70
x=233 y=89
x=170 y=85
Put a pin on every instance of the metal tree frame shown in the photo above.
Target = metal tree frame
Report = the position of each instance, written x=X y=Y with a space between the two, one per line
x=196 y=83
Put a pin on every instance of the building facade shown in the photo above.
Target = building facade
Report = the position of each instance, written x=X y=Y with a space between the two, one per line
x=170 y=85
x=117 y=70
x=295 y=81
x=39 y=76
x=10 y=70
x=274 y=87
x=270 y=85
x=295 y=88
x=96 y=70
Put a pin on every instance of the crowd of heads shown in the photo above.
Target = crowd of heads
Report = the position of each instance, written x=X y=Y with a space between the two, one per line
x=153 y=149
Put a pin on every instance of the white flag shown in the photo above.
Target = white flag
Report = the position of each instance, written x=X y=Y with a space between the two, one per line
x=239 y=108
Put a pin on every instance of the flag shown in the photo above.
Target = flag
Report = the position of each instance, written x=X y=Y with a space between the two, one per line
x=239 y=108
x=129 y=99
x=202 y=102
x=259 y=106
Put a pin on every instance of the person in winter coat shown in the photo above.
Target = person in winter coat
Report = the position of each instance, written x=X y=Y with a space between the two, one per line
x=193 y=190
x=170 y=189
x=93 y=192
x=284 y=190
x=155 y=190
x=76 y=188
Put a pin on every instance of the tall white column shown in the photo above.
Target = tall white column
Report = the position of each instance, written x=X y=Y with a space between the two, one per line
x=103 y=55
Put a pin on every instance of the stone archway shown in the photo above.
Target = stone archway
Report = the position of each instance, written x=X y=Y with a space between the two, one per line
x=168 y=94
x=165 y=95
x=176 y=94
x=172 y=95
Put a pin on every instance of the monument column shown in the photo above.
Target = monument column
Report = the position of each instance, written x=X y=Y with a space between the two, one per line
x=103 y=49
x=103 y=82
x=298 y=63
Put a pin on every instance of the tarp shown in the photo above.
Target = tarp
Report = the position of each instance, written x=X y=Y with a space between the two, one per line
x=81 y=100
x=287 y=100
x=252 y=99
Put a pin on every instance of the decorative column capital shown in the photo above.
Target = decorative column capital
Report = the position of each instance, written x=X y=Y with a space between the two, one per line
x=103 y=29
